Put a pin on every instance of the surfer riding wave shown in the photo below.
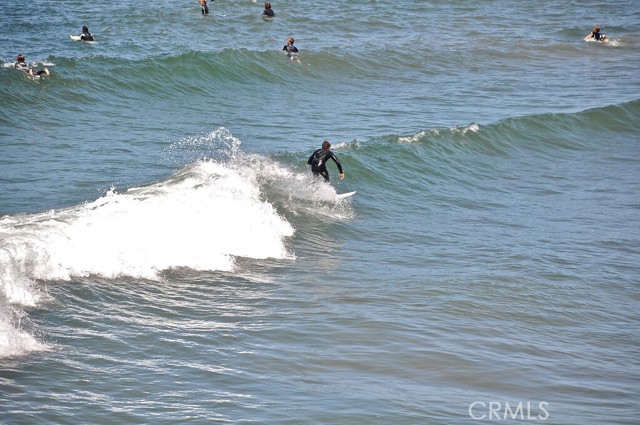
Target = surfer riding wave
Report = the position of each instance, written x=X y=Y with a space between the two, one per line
x=318 y=161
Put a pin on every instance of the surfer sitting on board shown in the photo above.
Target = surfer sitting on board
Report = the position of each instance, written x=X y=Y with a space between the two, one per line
x=268 y=12
x=22 y=64
x=318 y=161
x=86 y=35
x=595 y=35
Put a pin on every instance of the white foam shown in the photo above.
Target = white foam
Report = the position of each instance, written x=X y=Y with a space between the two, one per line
x=200 y=218
x=613 y=42
x=203 y=218
x=15 y=342
x=473 y=128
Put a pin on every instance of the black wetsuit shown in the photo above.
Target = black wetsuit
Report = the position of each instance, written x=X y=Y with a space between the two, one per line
x=290 y=48
x=318 y=162
x=597 y=36
x=205 y=9
x=86 y=36
x=269 y=12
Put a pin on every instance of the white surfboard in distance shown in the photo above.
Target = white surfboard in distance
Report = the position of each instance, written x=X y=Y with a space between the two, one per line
x=77 y=38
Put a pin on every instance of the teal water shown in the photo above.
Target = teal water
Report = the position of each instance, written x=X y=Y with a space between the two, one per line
x=166 y=256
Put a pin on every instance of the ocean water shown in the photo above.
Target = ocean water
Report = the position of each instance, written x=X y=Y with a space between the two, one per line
x=167 y=257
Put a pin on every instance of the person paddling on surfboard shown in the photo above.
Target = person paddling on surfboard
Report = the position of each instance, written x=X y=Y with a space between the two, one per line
x=595 y=35
x=318 y=161
x=86 y=35
x=22 y=64
x=289 y=47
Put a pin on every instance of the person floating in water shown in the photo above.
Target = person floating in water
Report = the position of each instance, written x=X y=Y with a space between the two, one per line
x=318 y=161
x=205 y=8
x=291 y=50
x=289 y=47
x=268 y=12
x=22 y=64
x=86 y=35
x=595 y=35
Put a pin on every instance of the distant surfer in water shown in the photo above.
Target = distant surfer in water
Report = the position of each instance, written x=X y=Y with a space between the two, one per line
x=318 y=161
x=205 y=8
x=22 y=64
x=595 y=35
x=291 y=50
x=268 y=12
x=289 y=47
x=86 y=35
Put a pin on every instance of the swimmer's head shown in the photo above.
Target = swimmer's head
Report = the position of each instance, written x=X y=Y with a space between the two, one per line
x=326 y=144
x=85 y=29
x=20 y=57
x=267 y=5
x=290 y=40
x=596 y=28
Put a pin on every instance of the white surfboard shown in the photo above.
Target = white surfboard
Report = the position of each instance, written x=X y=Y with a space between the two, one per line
x=345 y=195
x=78 y=38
